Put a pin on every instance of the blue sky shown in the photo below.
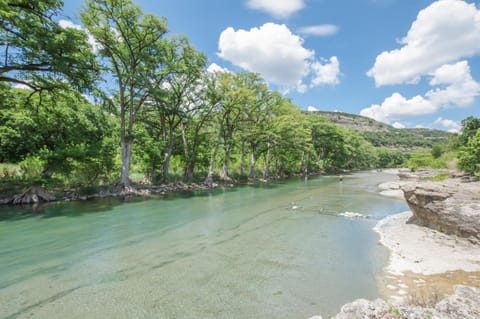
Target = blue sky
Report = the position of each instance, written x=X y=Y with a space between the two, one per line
x=409 y=63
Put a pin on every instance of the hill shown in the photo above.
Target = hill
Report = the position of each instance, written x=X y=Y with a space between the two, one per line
x=381 y=134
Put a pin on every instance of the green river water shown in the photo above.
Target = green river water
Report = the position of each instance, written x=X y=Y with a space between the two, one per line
x=267 y=251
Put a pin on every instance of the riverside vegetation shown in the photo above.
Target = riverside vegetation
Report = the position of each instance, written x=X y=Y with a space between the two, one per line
x=163 y=117
x=140 y=106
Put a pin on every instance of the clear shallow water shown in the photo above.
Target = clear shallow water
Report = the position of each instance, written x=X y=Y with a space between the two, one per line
x=235 y=253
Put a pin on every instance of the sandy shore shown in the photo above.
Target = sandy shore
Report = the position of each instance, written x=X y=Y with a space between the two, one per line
x=424 y=264
x=423 y=250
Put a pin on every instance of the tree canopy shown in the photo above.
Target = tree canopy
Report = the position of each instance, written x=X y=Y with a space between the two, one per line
x=40 y=54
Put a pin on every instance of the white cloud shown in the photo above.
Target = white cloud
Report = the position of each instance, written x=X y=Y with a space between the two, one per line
x=90 y=39
x=215 y=68
x=321 y=30
x=273 y=51
x=277 y=8
x=326 y=73
x=312 y=109
x=461 y=88
x=398 y=125
x=397 y=107
x=456 y=88
x=450 y=125
x=444 y=32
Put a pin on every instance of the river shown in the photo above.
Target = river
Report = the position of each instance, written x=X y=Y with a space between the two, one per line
x=277 y=250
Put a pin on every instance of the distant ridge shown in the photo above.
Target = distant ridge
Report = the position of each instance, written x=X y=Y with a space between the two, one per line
x=355 y=122
x=384 y=135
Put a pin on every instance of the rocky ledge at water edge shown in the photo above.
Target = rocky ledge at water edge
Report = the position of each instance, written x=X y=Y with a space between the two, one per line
x=463 y=304
x=451 y=207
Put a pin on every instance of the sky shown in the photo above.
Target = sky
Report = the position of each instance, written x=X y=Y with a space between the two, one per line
x=408 y=63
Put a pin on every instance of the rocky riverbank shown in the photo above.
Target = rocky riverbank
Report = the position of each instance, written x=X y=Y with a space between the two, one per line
x=434 y=264
x=463 y=304
x=36 y=194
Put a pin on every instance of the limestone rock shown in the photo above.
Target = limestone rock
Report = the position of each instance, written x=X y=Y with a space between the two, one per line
x=463 y=304
x=452 y=207
x=362 y=308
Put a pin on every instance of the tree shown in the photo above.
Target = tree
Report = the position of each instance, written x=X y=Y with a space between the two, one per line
x=202 y=104
x=131 y=46
x=65 y=132
x=171 y=90
x=470 y=126
x=469 y=155
x=40 y=54
x=233 y=97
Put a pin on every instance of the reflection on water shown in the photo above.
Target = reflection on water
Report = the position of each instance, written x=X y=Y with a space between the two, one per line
x=267 y=250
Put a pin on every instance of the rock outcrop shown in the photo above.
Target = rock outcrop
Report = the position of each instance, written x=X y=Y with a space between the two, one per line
x=452 y=206
x=463 y=304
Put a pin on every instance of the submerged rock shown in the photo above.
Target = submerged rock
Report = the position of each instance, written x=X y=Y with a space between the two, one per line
x=452 y=206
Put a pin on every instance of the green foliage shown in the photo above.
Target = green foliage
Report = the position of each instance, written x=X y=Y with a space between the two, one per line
x=440 y=177
x=134 y=53
x=64 y=133
x=470 y=126
x=437 y=151
x=423 y=159
x=32 y=167
x=39 y=53
x=391 y=158
x=469 y=155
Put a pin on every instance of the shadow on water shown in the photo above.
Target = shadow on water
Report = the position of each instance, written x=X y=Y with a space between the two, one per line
x=93 y=206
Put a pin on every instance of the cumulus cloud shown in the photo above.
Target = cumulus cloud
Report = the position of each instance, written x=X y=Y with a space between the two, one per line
x=461 y=89
x=397 y=107
x=91 y=40
x=321 y=30
x=444 y=32
x=215 y=68
x=326 y=73
x=456 y=88
x=450 y=125
x=312 y=109
x=273 y=51
x=277 y=8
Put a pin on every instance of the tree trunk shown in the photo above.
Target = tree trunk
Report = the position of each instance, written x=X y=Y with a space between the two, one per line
x=224 y=174
x=242 y=159
x=209 y=179
x=126 y=146
x=168 y=155
x=266 y=174
x=253 y=162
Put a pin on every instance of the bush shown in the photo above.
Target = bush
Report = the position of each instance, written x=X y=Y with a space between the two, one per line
x=469 y=155
x=424 y=159
x=32 y=166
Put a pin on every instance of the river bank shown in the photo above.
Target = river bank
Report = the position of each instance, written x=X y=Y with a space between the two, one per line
x=434 y=264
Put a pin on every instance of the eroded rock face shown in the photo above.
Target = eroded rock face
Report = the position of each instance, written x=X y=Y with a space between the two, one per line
x=463 y=304
x=452 y=207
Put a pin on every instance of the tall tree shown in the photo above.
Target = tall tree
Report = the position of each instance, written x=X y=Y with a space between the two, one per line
x=37 y=52
x=131 y=47
x=172 y=89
